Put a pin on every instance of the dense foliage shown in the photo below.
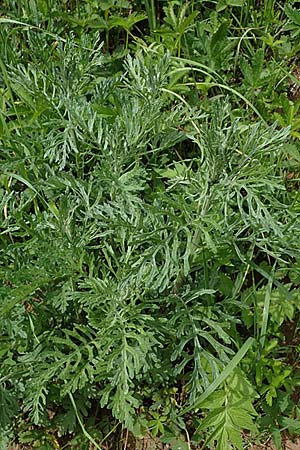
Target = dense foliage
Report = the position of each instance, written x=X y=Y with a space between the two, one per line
x=149 y=270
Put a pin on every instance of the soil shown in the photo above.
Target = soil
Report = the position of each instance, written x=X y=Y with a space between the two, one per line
x=150 y=443
x=287 y=445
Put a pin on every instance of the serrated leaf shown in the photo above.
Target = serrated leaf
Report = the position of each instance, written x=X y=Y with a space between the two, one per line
x=214 y=418
x=8 y=407
x=292 y=13
x=234 y=436
x=241 y=418
x=292 y=425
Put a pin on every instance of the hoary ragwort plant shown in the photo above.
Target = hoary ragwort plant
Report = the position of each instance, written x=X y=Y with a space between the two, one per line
x=129 y=223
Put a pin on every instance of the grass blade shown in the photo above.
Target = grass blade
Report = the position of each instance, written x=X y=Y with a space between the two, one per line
x=226 y=372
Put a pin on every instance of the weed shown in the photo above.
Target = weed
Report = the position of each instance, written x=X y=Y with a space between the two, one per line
x=149 y=228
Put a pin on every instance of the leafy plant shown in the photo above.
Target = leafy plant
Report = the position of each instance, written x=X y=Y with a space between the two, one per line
x=230 y=410
x=149 y=225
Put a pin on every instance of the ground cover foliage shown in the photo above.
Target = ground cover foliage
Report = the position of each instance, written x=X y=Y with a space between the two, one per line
x=149 y=271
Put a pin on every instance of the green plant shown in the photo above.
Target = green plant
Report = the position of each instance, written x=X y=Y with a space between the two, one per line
x=149 y=229
x=286 y=114
x=177 y=22
x=230 y=410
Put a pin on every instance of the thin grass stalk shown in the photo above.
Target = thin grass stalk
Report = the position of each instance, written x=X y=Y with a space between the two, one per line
x=151 y=13
x=227 y=88
x=87 y=435
x=265 y=318
x=269 y=11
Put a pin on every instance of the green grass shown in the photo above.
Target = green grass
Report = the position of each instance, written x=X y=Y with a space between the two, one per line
x=149 y=268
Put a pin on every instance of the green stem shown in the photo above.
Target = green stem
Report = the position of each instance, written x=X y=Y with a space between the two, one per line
x=87 y=435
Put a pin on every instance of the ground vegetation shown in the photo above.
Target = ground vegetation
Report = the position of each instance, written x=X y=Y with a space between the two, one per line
x=149 y=191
